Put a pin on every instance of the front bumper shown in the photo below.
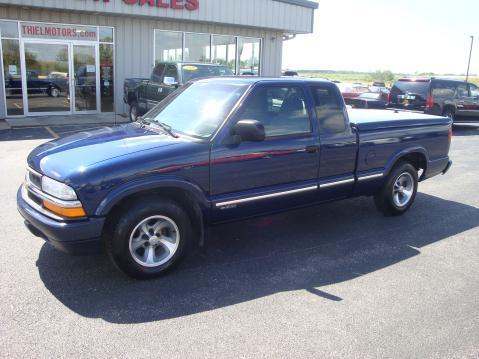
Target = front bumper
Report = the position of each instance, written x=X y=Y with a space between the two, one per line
x=74 y=237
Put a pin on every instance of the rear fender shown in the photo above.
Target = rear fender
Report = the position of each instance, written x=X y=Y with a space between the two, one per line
x=411 y=150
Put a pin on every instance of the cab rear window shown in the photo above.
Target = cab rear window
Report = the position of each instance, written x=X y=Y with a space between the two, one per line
x=416 y=87
x=191 y=72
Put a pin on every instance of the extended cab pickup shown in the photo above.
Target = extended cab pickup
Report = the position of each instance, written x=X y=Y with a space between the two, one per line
x=144 y=94
x=218 y=150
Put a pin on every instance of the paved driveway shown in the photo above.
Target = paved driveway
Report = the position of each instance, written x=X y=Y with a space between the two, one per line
x=337 y=280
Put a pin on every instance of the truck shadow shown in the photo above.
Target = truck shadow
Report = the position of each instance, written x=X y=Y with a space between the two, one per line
x=299 y=250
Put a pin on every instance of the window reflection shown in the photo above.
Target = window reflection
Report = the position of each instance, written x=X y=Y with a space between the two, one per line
x=168 y=46
x=13 y=77
x=223 y=51
x=106 y=77
x=197 y=47
x=249 y=55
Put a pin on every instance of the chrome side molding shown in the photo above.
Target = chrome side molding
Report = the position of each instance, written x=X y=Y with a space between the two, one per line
x=265 y=196
x=336 y=183
x=370 y=177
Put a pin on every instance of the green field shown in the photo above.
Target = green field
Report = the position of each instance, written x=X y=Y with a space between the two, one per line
x=368 y=77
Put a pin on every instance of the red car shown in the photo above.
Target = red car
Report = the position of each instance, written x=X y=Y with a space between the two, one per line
x=352 y=90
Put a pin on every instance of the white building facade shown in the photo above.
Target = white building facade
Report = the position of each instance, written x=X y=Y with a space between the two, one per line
x=71 y=57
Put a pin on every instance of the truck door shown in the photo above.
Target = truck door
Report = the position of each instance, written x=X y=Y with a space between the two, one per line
x=338 y=143
x=279 y=172
x=153 y=88
x=169 y=83
x=461 y=97
x=471 y=103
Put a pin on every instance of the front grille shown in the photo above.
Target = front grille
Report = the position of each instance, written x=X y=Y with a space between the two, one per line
x=34 y=179
x=34 y=198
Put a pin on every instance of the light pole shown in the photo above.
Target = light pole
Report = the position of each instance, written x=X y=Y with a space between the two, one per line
x=469 y=62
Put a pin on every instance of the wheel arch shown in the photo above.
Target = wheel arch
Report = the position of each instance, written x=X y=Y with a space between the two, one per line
x=416 y=156
x=448 y=106
x=187 y=195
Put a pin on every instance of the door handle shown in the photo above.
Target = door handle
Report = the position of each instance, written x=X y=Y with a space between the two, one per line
x=312 y=149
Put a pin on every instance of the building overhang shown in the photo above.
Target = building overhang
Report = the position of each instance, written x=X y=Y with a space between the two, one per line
x=287 y=16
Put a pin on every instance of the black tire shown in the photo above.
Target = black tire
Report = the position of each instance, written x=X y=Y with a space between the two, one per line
x=123 y=231
x=385 y=199
x=450 y=113
x=53 y=92
x=134 y=112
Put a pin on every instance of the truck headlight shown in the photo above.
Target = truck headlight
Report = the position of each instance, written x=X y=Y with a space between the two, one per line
x=58 y=189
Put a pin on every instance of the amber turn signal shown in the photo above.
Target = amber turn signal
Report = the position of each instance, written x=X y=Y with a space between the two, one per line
x=74 y=212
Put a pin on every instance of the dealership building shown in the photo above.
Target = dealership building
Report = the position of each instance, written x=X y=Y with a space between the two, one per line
x=71 y=57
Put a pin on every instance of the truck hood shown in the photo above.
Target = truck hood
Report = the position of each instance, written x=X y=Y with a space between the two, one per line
x=60 y=159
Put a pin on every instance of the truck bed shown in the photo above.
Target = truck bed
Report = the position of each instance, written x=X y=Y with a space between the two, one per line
x=366 y=120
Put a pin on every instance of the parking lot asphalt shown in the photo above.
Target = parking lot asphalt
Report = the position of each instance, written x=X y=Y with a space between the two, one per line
x=337 y=280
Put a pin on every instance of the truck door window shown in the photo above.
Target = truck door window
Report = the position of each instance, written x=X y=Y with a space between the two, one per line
x=474 y=91
x=443 y=89
x=171 y=71
x=157 y=74
x=462 y=91
x=282 y=110
x=329 y=110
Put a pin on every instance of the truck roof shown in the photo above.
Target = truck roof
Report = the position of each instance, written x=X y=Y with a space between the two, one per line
x=254 y=79
x=189 y=63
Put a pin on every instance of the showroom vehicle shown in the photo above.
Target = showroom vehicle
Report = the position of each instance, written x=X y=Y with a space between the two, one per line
x=377 y=100
x=458 y=100
x=144 y=94
x=36 y=84
x=219 y=150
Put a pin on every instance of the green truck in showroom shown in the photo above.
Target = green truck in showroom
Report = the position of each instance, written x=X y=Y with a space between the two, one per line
x=143 y=94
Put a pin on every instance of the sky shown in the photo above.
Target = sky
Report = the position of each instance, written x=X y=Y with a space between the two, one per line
x=404 y=36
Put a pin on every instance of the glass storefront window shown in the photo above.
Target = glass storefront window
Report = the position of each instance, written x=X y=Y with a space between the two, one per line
x=9 y=29
x=47 y=75
x=106 y=77
x=168 y=46
x=242 y=55
x=106 y=34
x=249 y=56
x=46 y=84
x=223 y=51
x=13 y=77
x=197 y=47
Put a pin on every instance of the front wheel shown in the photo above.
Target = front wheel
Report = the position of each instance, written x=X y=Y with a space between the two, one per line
x=149 y=238
x=54 y=92
x=399 y=191
x=134 y=112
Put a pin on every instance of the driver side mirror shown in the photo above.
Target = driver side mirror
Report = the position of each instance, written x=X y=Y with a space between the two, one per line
x=170 y=81
x=249 y=130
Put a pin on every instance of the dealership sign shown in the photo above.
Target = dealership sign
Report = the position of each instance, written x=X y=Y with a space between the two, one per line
x=165 y=4
x=171 y=4
x=55 y=31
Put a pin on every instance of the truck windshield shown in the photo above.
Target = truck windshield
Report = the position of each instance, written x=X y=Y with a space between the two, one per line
x=197 y=109
x=191 y=72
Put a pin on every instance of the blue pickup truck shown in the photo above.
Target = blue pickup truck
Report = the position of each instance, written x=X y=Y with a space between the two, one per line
x=218 y=150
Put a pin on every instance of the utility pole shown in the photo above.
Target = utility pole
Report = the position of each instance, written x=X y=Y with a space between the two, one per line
x=469 y=62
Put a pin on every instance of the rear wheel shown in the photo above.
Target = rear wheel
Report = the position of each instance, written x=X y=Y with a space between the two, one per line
x=149 y=238
x=399 y=191
x=449 y=113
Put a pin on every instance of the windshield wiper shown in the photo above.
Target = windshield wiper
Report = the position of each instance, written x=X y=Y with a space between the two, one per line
x=166 y=128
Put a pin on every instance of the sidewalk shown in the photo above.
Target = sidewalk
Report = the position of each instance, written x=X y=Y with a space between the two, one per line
x=97 y=119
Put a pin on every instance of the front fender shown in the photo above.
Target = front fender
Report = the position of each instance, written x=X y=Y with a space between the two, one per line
x=151 y=183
